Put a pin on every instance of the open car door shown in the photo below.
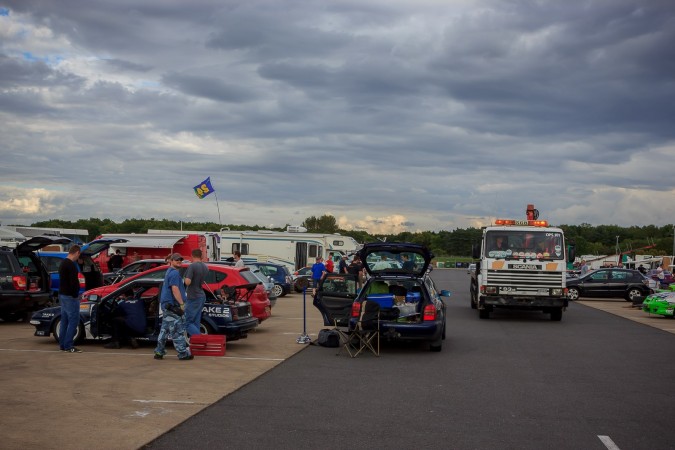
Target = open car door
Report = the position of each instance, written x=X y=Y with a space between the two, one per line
x=334 y=298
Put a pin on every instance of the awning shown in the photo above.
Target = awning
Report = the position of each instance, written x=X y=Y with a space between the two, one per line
x=147 y=241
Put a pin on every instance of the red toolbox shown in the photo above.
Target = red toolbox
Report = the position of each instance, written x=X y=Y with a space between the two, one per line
x=207 y=345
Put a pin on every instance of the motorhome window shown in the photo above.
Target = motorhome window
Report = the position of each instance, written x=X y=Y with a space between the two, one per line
x=243 y=249
x=339 y=243
x=312 y=251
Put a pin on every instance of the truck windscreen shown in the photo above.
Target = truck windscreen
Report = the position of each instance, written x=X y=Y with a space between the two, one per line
x=519 y=244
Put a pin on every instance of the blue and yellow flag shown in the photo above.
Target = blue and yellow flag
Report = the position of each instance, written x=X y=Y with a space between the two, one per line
x=204 y=188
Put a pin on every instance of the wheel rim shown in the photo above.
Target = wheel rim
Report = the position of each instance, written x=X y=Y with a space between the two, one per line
x=633 y=294
x=573 y=294
x=278 y=291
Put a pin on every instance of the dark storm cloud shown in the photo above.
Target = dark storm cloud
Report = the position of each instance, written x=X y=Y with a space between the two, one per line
x=433 y=112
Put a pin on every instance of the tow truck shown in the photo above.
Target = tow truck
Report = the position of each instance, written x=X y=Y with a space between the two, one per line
x=521 y=265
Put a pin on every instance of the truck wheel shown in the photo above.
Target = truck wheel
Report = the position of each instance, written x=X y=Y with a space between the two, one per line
x=484 y=313
x=573 y=293
x=556 y=314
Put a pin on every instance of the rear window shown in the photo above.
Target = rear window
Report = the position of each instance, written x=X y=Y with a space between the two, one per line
x=51 y=262
x=5 y=265
x=249 y=277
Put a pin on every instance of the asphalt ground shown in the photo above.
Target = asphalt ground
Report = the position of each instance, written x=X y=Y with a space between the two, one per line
x=514 y=381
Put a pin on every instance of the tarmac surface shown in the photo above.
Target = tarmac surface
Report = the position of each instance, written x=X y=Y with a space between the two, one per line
x=124 y=399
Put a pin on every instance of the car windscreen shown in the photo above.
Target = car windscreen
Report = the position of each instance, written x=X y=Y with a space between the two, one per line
x=530 y=244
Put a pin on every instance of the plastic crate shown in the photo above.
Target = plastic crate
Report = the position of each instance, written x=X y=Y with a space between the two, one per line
x=384 y=300
x=207 y=345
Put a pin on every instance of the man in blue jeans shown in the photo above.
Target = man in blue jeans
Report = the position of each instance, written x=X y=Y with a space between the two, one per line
x=318 y=272
x=172 y=301
x=69 y=290
x=194 y=278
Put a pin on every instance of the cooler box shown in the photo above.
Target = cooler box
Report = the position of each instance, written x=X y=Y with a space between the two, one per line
x=207 y=345
x=384 y=300
x=412 y=297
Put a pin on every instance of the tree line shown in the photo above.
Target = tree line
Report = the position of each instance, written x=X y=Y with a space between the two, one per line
x=588 y=239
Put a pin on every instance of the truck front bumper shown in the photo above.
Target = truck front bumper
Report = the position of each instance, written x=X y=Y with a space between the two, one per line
x=530 y=302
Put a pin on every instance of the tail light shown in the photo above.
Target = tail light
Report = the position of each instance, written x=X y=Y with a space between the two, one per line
x=19 y=282
x=429 y=313
x=356 y=309
x=80 y=279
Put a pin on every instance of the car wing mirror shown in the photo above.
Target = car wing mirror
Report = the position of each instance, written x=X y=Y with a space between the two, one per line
x=445 y=293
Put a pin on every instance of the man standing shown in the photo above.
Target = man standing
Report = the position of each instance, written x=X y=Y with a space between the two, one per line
x=329 y=263
x=115 y=262
x=172 y=301
x=342 y=267
x=318 y=271
x=194 y=278
x=69 y=290
x=238 y=262
x=584 y=267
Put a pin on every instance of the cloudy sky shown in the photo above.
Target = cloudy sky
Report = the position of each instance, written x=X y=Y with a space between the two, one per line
x=390 y=115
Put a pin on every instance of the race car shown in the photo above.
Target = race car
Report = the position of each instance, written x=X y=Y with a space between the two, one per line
x=223 y=313
x=661 y=303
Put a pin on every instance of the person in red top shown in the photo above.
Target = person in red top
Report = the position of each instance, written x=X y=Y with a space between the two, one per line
x=329 y=263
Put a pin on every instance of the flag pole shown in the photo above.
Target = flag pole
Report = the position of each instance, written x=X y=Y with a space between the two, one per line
x=218 y=206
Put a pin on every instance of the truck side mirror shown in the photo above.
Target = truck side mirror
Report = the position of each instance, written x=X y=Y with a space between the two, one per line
x=571 y=254
x=475 y=251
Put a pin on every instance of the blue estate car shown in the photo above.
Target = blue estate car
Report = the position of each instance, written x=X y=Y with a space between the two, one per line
x=411 y=307
x=279 y=274
x=222 y=313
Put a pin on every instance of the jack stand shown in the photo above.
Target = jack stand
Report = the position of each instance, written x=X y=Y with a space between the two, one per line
x=304 y=339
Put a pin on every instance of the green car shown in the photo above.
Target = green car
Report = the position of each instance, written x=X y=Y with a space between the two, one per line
x=661 y=303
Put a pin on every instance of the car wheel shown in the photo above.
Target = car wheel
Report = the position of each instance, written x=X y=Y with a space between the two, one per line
x=205 y=328
x=573 y=293
x=556 y=314
x=484 y=313
x=79 y=333
x=633 y=294
x=278 y=290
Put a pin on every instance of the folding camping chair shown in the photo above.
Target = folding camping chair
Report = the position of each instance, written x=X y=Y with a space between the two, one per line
x=366 y=333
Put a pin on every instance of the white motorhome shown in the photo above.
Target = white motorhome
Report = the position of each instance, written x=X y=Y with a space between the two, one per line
x=294 y=248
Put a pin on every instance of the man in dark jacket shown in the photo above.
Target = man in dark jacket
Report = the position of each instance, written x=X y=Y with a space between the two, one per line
x=128 y=321
x=115 y=262
x=69 y=291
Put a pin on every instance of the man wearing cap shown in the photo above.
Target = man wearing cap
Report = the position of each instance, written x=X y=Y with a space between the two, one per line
x=172 y=301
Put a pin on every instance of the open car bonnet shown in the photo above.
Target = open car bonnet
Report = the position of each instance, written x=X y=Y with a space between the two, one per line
x=39 y=242
x=99 y=245
x=395 y=258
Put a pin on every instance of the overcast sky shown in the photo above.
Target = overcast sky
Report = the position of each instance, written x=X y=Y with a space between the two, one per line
x=390 y=115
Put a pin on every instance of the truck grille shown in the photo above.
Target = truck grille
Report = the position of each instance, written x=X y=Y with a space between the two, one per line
x=524 y=279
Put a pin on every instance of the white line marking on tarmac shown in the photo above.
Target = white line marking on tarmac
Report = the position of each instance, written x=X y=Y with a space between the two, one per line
x=609 y=443
x=144 y=355
x=169 y=401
